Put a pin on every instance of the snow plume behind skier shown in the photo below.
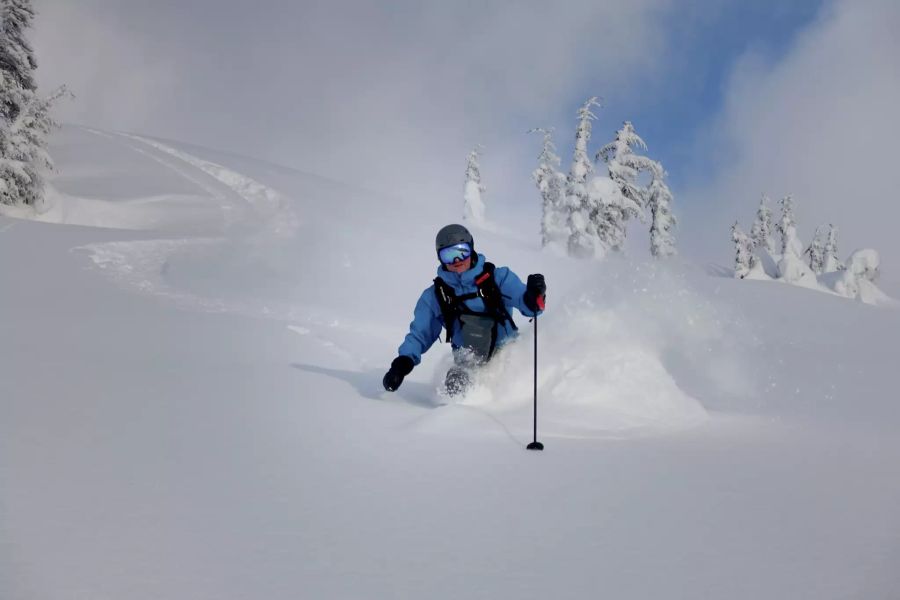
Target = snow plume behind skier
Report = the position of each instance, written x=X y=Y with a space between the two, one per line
x=473 y=301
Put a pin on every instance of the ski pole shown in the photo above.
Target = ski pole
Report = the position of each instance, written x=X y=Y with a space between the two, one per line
x=535 y=445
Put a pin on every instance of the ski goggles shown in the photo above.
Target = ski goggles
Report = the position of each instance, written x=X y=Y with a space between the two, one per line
x=456 y=252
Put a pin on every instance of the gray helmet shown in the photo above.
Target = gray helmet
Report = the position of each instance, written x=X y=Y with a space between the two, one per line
x=453 y=234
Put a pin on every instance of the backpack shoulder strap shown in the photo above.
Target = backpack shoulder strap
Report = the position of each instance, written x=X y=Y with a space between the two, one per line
x=487 y=273
x=490 y=293
x=446 y=299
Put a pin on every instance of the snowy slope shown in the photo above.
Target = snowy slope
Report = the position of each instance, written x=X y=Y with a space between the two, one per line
x=192 y=408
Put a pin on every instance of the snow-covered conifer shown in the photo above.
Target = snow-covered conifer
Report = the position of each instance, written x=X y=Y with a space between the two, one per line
x=791 y=268
x=583 y=240
x=624 y=166
x=662 y=236
x=474 y=212
x=787 y=225
x=831 y=262
x=744 y=259
x=761 y=231
x=25 y=118
x=551 y=183
x=606 y=198
x=815 y=253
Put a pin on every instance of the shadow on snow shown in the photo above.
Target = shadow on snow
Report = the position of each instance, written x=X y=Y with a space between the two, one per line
x=368 y=385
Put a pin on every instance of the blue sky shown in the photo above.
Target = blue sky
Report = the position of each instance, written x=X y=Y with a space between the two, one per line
x=707 y=43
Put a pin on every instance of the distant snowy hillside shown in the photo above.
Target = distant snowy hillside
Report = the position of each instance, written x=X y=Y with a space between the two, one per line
x=192 y=408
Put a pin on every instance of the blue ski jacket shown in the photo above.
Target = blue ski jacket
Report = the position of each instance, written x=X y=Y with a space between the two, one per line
x=428 y=321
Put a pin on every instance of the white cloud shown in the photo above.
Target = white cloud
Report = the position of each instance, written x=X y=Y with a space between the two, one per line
x=366 y=91
x=117 y=77
x=822 y=124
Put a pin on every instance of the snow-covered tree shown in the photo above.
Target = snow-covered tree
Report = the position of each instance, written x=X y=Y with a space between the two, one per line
x=858 y=279
x=25 y=118
x=791 y=268
x=744 y=259
x=624 y=167
x=474 y=212
x=605 y=197
x=662 y=235
x=16 y=56
x=583 y=239
x=787 y=228
x=761 y=231
x=815 y=253
x=831 y=262
x=551 y=183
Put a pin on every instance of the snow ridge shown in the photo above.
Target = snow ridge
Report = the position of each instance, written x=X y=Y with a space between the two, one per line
x=265 y=201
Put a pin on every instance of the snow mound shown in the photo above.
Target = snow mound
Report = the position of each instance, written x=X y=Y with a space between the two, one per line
x=793 y=270
x=593 y=378
x=124 y=181
x=268 y=204
x=857 y=280
x=166 y=212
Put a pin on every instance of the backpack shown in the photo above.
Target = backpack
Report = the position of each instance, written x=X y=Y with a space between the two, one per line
x=453 y=308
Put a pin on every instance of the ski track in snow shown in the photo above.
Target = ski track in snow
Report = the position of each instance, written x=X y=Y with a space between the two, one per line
x=268 y=204
x=230 y=203
x=140 y=265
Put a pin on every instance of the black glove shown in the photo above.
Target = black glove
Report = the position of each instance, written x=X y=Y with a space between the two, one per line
x=535 y=290
x=400 y=368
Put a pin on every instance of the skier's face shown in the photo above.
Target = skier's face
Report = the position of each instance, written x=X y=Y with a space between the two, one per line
x=460 y=266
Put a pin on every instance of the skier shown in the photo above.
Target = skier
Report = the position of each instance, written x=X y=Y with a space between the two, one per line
x=472 y=300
